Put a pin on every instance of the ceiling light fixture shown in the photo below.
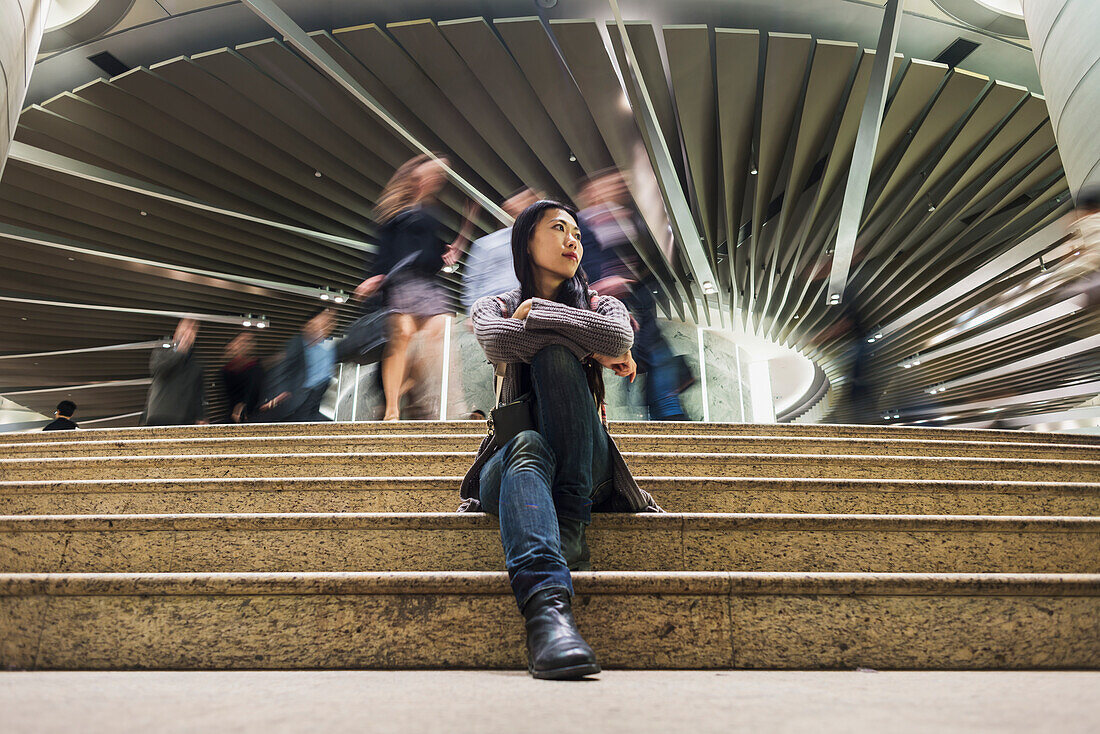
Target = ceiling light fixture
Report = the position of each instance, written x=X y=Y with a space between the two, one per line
x=572 y=158
x=144 y=214
x=317 y=174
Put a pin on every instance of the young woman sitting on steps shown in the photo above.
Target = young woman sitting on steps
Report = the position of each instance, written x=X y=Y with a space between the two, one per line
x=553 y=338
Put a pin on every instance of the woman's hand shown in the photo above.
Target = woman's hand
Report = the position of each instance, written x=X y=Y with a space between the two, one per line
x=523 y=310
x=623 y=366
x=453 y=253
x=368 y=287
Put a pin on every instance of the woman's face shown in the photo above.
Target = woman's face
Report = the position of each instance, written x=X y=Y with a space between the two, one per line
x=555 y=244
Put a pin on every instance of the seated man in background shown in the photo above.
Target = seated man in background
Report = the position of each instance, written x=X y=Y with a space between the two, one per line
x=66 y=409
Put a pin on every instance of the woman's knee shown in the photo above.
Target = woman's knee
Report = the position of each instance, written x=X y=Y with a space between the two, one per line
x=556 y=359
x=402 y=327
x=529 y=448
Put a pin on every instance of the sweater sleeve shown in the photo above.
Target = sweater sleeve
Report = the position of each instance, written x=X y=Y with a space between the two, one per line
x=606 y=330
x=505 y=340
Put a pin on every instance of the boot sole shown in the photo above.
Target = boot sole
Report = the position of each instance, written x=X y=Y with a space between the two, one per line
x=573 y=672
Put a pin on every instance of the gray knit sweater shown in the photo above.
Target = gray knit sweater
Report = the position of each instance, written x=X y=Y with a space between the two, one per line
x=511 y=342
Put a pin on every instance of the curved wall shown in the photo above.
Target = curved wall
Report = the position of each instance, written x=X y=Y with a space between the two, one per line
x=1064 y=35
x=21 y=25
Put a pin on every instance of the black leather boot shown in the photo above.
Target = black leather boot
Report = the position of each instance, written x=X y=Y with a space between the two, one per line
x=574 y=545
x=555 y=648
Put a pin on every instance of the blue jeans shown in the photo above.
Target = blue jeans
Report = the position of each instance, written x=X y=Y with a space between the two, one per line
x=541 y=484
x=651 y=350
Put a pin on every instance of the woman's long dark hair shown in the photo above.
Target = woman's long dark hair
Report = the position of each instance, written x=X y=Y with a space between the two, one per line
x=573 y=292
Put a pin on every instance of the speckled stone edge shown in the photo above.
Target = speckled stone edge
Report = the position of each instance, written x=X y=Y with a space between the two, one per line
x=839 y=445
x=428 y=521
x=617 y=427
x=649 y=459
x=451 y=483
x=589 y=583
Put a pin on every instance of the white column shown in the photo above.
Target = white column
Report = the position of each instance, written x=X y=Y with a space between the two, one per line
x=21 y=25
x=1065 y=37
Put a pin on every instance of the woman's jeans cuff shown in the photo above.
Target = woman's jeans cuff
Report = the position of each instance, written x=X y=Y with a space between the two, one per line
x=527 y=582
x=573 y=507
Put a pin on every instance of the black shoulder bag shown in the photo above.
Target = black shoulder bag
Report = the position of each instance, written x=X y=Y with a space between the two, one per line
x=508 y=421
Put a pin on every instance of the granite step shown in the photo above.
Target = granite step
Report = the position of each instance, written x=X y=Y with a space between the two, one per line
x=648 y=620
x=617 y=428
x=302 y=542
x=452 y=463
x=440 y=494
x=371 y=443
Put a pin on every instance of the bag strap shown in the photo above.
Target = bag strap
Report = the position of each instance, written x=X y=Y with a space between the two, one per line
x=499 y=370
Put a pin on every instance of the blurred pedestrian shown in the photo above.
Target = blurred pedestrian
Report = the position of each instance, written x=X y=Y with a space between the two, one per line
x=411 y=255
x=176 y=395
x=488 y=266
x=305 y=372
x=242 y=377
x=1082 y=265
x=611 y=262
x=63 y=417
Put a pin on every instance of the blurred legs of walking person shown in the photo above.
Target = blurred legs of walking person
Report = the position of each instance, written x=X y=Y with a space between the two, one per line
x=395 y=362
x=420 y=363
x=663 y=369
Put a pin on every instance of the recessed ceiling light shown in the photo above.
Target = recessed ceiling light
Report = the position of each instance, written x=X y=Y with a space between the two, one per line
x=144 y=214
x=317 y=174
x=572 y=158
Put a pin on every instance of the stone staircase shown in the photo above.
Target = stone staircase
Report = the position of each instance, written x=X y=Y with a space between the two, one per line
x=336 y=546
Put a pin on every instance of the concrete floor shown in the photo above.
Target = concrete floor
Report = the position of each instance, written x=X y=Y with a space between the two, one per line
x=495 y=701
